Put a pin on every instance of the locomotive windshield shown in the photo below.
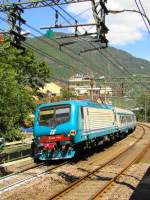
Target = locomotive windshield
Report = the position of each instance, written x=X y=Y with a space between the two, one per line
x=53 y=115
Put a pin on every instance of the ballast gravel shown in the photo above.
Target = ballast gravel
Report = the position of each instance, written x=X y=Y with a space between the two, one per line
x=127 y=183
x=47 y=185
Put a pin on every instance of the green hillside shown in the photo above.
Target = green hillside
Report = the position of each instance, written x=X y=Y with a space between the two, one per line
x=68 y=60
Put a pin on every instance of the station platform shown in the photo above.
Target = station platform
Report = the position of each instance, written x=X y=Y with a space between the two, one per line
x=23 y=160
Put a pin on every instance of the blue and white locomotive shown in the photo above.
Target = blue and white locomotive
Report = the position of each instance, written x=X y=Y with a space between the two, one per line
x=63 y=128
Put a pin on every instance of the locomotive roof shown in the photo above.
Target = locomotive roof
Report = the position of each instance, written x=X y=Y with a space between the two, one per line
x=77 y=102
x=120 y=111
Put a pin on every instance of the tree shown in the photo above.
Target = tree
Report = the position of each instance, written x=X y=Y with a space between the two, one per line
x=18 y=72
x=30 y=71
x=67 y=93
x=143 y=103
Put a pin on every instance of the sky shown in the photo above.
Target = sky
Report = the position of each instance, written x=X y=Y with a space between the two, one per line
x=126 y=30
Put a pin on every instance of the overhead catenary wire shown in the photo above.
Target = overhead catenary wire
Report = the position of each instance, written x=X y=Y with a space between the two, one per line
x=47 y=55
x=124 y=68
x=68 y=21
x=29 y=26
x=68 y=48
x=70 y=16
x=41 y=52
x=101 y=53
x=71 y=24
x=47 y=42
x=131 y=75
x=138 y=7
x=42 y=40
x=56 y=42
x=141 y=4
x=83 y=39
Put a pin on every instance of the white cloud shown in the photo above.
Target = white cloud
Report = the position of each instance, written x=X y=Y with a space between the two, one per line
x=124 y=27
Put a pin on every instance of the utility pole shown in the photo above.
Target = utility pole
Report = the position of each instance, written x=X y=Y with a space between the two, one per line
x=92 y=85
x=16 y=22
x=68 y=89
x=105 y=90
x=145 y=109
x=122 y=89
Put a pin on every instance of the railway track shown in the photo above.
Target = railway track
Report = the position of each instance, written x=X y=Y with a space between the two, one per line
x=93 y=179
x=31 y=176
x=20 y=171
x=107 y=186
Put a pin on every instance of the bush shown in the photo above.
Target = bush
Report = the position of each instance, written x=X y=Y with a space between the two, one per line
x=12 y=135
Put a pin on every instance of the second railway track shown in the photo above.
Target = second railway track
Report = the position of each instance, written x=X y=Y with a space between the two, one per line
x=50 y=184
x=11 y=181
x=90 y=185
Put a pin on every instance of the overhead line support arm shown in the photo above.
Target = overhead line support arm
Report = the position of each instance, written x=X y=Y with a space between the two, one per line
x=27 y=4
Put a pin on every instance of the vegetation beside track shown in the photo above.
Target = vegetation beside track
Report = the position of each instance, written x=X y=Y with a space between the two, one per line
x=16 y=152
x=21 y=74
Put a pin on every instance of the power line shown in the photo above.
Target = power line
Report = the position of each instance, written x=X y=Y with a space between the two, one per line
x=66 y=21
x=82 y=12
x=46 y=42
x=65 y=63
x=70 y=16
x=109 y=61
x=144 y=12
x=58 y=43
x=138 y=7
x=44 y=53
x=41 y=33
x=41 y=51
x=124 y=67
x=65 y=17
x=31 y=27
x=131 y=76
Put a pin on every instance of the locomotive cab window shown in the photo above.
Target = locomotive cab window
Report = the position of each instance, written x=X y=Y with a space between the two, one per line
x=54 y=115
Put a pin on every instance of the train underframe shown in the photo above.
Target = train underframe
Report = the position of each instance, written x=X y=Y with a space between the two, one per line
x=59 y=147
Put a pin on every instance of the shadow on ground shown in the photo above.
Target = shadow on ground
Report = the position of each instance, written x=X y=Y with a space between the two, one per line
x=142 y=191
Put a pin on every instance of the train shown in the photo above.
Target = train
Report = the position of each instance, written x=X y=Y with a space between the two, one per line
x=62 y=129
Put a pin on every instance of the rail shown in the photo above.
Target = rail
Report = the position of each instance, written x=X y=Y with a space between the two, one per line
x=24 y=180
x=82 y=179
x=106 y=187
